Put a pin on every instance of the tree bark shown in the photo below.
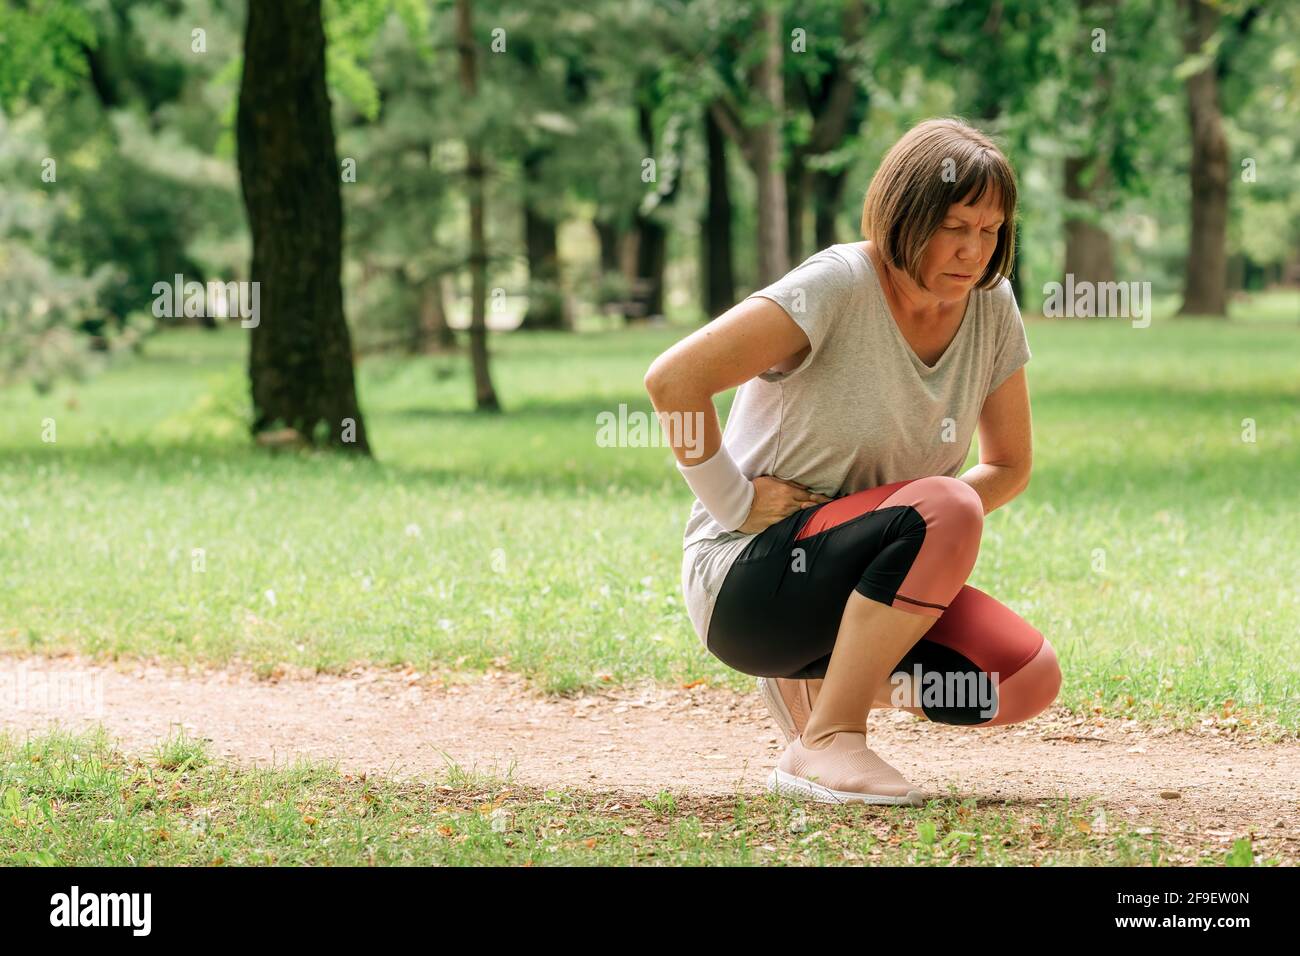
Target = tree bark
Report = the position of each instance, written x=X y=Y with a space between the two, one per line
x=836 y=103
x=646 y=300
x=719 y=278
x=1088 y=253
x=613 y=286
x=432 y=332
x=300 y=354
x=773 y=238
x=798 y=183
x=1205 y=283
x=828 y=191
x=485 y=396
x=545 y=298
x=610 y=237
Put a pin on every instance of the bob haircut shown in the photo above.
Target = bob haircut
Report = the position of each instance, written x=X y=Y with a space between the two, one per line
x=935 y=164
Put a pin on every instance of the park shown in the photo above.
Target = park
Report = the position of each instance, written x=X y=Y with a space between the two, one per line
x=352 y=367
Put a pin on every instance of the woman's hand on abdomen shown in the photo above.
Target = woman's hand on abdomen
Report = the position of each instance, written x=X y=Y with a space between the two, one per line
x=775 y=499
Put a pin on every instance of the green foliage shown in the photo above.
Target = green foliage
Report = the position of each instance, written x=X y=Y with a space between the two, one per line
x=351 y=27
x=1241 y=853
x=461 y=543
x=40 y=313
x=42 y=43
x=145 y=151
x=44 y=308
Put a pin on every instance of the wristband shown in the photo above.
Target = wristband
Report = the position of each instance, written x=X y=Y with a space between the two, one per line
x=726 y=494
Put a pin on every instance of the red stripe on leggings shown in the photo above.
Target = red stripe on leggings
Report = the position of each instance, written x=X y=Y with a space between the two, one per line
x=986 y=632
x=844 y=509
x=899 y=597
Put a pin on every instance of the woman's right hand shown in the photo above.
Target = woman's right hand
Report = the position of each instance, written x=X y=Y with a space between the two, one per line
x=776 y=498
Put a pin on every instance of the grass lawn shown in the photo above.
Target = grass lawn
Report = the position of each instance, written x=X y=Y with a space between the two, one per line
x=76 y=801
x=1155 y=547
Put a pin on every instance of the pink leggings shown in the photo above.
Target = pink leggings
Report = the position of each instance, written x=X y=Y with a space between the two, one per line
x=910 y=545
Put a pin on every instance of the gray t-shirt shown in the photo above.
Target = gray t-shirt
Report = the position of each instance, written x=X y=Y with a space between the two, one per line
x=861 y=410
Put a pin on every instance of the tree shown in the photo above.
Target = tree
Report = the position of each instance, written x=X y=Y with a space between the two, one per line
x=1205 y=289
x=715 y=228
x=996 y=55
x=764 y=149
x=743 y=88
x=821 y=81
x=1109 y=93
x=647 y=294
x=300 y=355
x=485 y=396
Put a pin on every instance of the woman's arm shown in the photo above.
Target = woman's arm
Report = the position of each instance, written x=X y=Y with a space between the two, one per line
x=748 y=338
x=1006 y=444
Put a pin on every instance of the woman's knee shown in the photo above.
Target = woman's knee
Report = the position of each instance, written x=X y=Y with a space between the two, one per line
x=953 y=517
x=955 y=502
x=1030 y=690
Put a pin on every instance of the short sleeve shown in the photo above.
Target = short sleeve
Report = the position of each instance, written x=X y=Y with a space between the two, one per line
x=814 y=294
x=1012 y=349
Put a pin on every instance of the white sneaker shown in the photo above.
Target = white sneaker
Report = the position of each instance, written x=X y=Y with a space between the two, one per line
x=845 y=771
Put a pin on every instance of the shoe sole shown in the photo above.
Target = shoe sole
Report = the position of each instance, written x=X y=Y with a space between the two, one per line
x=788 y=785
x=776 y=706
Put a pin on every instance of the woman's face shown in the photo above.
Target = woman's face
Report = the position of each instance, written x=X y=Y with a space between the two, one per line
x=961 y=249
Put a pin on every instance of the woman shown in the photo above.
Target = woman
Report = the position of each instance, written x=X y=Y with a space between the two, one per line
x=831 y=538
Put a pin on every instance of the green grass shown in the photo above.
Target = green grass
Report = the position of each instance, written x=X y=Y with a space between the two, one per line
x=75 y=800
x=1154 y=547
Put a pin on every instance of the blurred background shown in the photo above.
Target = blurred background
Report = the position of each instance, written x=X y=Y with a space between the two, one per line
x=476 y=225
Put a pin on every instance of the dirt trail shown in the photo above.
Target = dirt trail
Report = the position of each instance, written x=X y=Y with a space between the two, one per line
x=700 y=741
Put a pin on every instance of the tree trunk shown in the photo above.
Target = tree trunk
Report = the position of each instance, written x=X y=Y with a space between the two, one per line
x=647 y=295
x=837 y=104
x=1239 y=271
x=651 y=260
x=1205 y=285
x=432 y=332
x=1288 y=274
x=610 y=237
x=545 y=298
x=798 y=181
x=828 y=191
x=612 y=289
x=485 y=396
x=719 y=279
x=773 y=251
x=1088 y=254
x=300 y=353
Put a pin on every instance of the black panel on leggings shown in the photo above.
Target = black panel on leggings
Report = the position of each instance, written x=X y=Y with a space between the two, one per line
x=771 y=620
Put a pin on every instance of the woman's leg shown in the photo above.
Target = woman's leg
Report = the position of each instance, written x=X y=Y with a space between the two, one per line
x=981 y=664
x=845 y=589
x=871 y=635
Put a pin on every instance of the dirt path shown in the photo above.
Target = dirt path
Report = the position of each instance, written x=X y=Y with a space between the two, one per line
x=700 y=741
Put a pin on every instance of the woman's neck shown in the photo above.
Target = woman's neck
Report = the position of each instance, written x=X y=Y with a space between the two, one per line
x=910 y=302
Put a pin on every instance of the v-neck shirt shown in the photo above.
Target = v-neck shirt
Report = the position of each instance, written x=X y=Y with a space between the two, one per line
x=921 y=367
x=861 y=409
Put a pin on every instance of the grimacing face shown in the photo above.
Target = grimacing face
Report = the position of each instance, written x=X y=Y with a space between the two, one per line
x=961 y=248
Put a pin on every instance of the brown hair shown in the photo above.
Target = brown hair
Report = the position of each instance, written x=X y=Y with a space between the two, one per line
x=909 y=195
